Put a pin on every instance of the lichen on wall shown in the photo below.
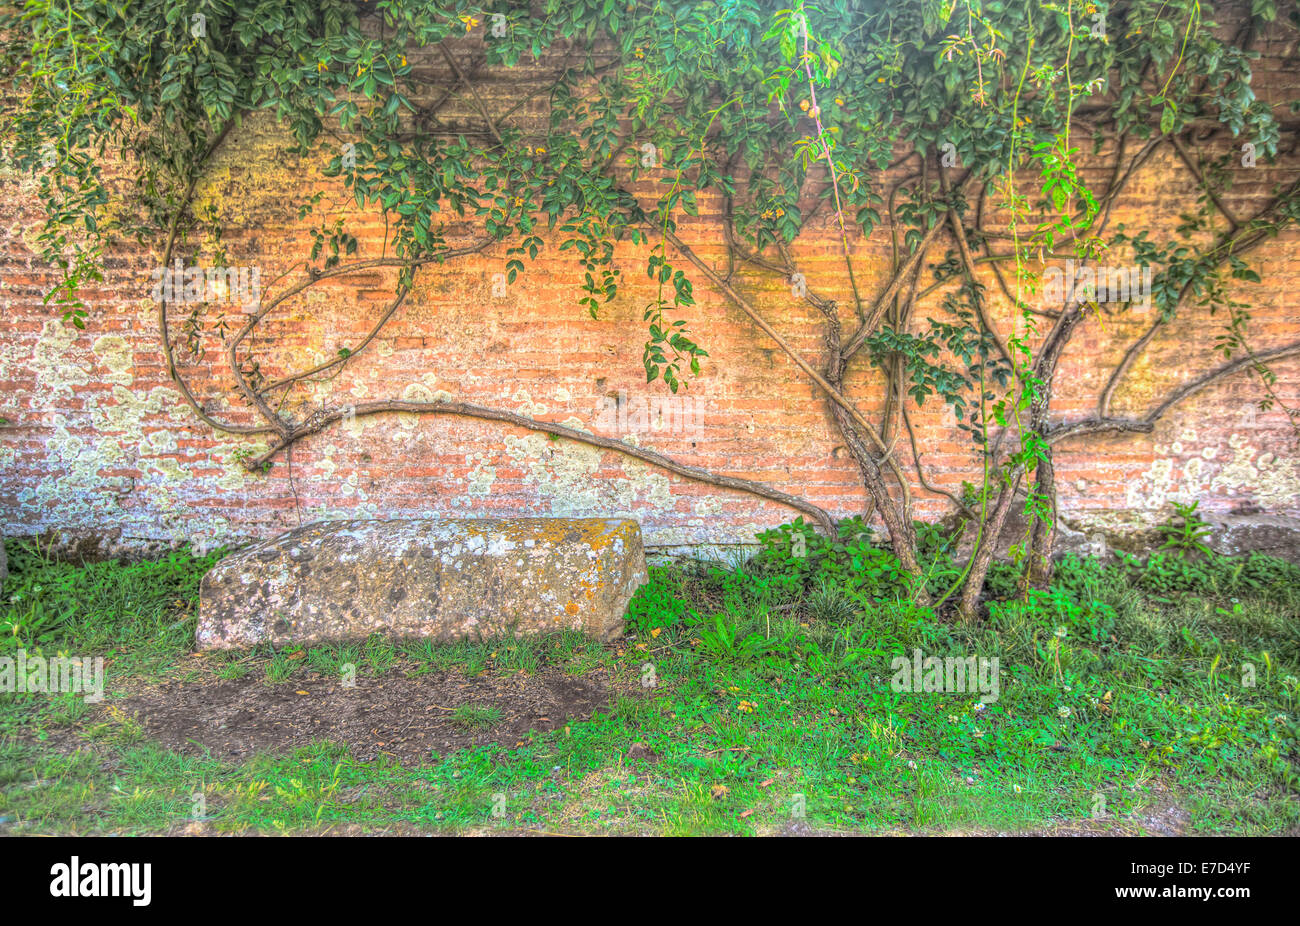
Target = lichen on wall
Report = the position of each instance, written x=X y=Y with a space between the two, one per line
x=1193 y=467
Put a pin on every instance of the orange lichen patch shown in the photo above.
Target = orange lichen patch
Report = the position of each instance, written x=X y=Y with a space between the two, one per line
x=571 y=608
x=597 y=533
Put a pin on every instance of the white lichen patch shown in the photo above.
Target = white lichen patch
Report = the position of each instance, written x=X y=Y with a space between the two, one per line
x=1271 y=480
x=709 y=506
x=564 y=474
x=115 y=354
x=57 y=372
x=527 y=407
x=1184 y=473
x=414 y=392
x=480 y=480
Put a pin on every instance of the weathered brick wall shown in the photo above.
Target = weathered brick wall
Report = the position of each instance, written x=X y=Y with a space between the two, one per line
x=101 y=446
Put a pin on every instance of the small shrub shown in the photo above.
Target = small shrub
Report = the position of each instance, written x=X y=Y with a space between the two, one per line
x=1186 y=531
x=656 y=606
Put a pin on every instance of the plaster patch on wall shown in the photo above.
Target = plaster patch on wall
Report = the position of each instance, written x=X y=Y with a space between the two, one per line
x=702 y=541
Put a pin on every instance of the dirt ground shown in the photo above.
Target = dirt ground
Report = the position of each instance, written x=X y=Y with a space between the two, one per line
x=403 y=717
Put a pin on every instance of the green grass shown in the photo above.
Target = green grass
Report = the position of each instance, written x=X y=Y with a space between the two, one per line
x=142 y=614
x=476 y=716
x=755 y=695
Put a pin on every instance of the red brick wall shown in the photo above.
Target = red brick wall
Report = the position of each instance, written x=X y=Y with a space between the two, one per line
x=100 y=444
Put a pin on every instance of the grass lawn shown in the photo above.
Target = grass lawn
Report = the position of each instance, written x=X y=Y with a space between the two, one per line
x=755 y=697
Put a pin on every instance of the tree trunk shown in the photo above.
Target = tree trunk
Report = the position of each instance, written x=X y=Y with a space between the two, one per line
x=1042 y=538
x=982 y=556
x=1044 y=534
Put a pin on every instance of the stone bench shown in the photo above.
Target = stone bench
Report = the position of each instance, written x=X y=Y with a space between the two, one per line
x=440 y=579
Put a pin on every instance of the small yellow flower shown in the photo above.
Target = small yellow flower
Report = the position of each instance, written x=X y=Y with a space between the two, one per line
x=321 y=66
x=469 y=21
x=746 y=707
x=803 y=104
x=403 y=60
x=655 y=631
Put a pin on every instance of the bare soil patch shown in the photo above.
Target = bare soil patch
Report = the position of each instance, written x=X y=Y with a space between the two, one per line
x=404 y=717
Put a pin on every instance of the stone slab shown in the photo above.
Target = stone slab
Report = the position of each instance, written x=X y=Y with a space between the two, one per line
x=439 y=579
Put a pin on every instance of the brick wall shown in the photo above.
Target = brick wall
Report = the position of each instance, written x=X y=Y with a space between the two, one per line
x=101 y=447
